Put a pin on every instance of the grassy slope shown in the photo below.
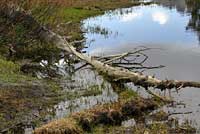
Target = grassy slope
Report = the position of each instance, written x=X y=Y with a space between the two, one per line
x=20 y=95
x=10 y=72
x=78 y=10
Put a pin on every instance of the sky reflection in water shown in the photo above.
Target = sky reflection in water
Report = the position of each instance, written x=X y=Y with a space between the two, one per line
x=142 y=25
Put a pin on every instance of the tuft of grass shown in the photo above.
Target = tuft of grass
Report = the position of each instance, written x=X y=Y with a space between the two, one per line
x=68 y=126
x=127 y=94
x=8 y=66
x=10 y=72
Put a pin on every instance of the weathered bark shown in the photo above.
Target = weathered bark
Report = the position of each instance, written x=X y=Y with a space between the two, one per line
x=116 y=74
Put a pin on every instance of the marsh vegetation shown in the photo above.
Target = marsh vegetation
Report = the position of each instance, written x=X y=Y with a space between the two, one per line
x=99 y=66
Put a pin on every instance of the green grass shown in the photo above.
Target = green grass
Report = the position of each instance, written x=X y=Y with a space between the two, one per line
x=62 y=14
x=77 y=14
x=128 y=94
x=22 y=95
x=10 y=72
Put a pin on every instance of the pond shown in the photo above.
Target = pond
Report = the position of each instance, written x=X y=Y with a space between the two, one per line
x=171 y=26
x=155 y=24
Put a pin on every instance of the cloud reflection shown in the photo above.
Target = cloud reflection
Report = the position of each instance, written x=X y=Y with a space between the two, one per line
x=160 y=17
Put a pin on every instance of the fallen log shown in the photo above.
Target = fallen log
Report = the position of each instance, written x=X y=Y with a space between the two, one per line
x=113 y=73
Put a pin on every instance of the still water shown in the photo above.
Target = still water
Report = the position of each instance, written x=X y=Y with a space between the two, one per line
x=172 y=26
x=155 y=24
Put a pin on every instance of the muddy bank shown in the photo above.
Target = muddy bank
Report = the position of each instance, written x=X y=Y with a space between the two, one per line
x=107 y=114
x=23 y=104
x=131 y=114
x=23 y=99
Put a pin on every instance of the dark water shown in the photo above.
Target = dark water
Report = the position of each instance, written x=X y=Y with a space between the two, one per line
x=171 y=25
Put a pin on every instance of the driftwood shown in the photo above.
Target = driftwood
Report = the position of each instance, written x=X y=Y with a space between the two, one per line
x=115 y=72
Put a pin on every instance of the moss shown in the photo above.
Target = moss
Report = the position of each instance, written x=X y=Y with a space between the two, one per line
x=127 y=95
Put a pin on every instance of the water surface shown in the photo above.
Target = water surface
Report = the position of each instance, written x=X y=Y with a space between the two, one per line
x=172 y=26
x=156 y=24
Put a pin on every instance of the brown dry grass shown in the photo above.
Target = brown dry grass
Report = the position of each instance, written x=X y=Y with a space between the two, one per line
x=104 y=4
x=108 y=114
x=63 y=126
x=72 y=3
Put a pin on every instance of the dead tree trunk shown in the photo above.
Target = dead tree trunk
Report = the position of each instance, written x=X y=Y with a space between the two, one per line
x=116 y=74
